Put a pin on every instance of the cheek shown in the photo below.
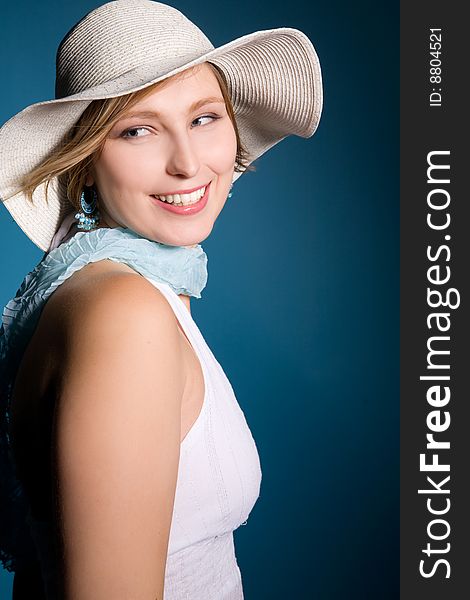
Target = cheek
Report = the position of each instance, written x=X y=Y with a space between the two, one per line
x=121 y=168
x=231 y=141
x=222 y=150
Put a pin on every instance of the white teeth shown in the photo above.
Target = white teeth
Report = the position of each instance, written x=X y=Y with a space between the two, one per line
x=183 y=199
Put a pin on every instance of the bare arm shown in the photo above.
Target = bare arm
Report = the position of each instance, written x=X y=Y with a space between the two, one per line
x=118 y=440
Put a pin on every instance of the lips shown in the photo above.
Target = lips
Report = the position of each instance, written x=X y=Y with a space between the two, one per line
x=185 y=210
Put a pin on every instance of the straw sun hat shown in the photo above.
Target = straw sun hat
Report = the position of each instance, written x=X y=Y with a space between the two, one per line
x=273 y=77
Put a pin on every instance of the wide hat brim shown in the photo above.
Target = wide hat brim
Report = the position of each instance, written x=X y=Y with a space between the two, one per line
x=274 y=79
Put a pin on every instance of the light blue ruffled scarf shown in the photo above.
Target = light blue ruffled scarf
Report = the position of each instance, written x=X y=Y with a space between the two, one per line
x=183 y=269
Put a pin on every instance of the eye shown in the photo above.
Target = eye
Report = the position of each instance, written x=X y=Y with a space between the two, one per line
x=129 y=133
x=212 y=117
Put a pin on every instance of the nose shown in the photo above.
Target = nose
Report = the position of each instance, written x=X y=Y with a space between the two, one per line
x=183 y=159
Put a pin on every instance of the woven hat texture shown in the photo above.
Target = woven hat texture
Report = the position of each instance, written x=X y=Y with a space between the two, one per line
x=273 y=76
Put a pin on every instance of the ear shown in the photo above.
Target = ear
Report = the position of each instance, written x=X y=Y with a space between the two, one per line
x=89 y=181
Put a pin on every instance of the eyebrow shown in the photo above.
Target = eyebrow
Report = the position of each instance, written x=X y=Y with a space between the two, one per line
x=194 y=106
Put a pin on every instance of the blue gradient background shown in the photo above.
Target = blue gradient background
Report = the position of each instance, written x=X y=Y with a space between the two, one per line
x=301 y=306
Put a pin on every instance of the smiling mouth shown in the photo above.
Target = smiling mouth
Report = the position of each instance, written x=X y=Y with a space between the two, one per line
x=182 y=199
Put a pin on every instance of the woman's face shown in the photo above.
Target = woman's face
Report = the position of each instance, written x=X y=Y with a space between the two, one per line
x=189 y=145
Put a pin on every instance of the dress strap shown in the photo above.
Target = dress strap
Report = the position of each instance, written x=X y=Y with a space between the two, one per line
x=195 y=338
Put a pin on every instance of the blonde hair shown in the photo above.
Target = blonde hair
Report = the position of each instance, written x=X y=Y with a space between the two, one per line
x=82 y=145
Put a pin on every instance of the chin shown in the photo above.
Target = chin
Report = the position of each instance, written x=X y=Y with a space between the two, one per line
x=187 y=239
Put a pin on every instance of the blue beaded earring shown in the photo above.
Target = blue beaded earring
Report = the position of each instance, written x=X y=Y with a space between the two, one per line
x=90 y=216
x=230 y=193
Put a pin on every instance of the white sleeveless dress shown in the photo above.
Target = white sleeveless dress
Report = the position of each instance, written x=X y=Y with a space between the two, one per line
x=219 y=473
x=218 y=484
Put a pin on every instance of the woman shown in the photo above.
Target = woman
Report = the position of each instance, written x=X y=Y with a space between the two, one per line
x=110 y=394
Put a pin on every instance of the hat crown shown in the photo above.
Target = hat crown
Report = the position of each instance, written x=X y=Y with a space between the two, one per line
x=122 y=36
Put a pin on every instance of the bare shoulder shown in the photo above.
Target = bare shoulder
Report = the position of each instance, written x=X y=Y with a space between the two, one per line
x=99 y=291
x=116 y=315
